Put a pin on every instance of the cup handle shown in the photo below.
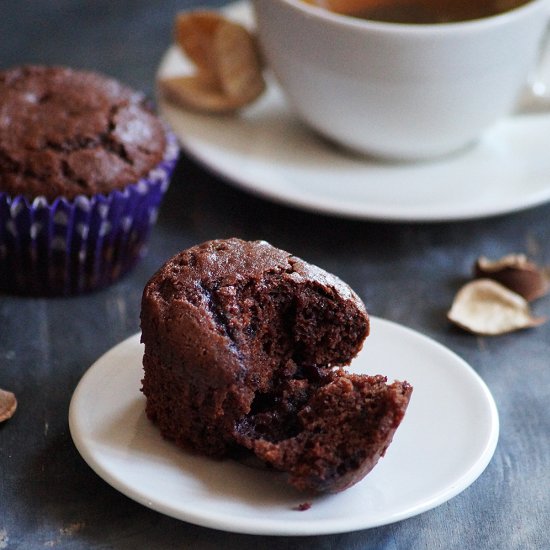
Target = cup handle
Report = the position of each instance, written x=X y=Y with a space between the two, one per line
x=536 y=96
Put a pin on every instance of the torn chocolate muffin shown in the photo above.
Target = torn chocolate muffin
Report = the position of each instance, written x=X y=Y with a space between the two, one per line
x=244 y=345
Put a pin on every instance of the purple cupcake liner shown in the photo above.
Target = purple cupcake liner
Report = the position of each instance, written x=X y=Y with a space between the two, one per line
x=76 y=246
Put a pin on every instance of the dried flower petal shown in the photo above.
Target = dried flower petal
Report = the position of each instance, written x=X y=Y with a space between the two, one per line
x=196 y=93
x=238 y=62
x=227 y=60
x=194 y=34
x=517 y=273
x=8 y=404
x=486 y=307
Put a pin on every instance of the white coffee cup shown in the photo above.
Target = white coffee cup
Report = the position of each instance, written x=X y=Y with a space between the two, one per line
x=400 y=91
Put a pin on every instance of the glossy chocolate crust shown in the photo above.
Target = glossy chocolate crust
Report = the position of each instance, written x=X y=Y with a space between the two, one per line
x=66 y=132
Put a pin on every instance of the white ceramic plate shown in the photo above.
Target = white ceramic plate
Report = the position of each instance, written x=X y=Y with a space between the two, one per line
x=268 y=152
x=445 y=441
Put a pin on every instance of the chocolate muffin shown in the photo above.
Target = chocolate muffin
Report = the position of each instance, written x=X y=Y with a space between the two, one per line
x=244 y=345
x=65 y=133
x=84 y=163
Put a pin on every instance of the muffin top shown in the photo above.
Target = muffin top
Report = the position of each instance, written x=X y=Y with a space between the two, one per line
x=66 y=132
x=230 y=262
x=218 y=292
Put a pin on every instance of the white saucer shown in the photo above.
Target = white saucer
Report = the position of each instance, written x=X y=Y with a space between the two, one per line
x=444 y=443
x=268 y=152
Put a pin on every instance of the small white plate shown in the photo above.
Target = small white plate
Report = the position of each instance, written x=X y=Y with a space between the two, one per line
x=268 y=151
x=445 y=441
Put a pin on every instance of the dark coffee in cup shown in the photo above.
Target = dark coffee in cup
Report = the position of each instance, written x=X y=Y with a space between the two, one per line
x=419 y=11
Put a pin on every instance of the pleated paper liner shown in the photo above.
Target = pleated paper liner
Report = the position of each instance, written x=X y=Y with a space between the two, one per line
x=70 y=247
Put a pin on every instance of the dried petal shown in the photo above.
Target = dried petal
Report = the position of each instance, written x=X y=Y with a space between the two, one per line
x=194 y=34
x=486 y=307
x=194 y=92
x=517 y=273
x=8 y=404
x=227 y=60
x=238 y=62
